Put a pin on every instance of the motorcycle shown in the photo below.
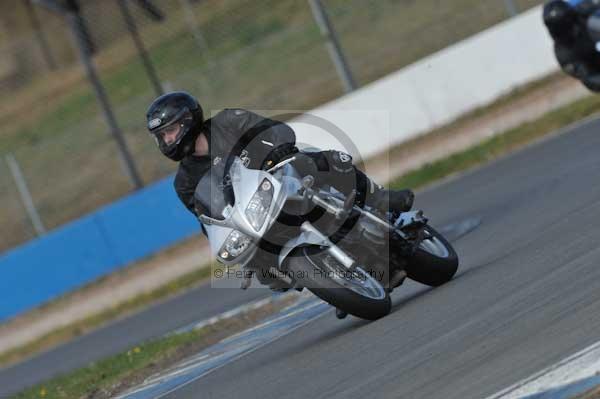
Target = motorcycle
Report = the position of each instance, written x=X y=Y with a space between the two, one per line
x=277 y=226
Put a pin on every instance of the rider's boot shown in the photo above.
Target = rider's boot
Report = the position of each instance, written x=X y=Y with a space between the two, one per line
x=388 y=200
x=396 y=200
x=396 y=280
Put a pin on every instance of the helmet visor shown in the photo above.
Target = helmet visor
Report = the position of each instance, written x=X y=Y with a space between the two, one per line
x=169 y=136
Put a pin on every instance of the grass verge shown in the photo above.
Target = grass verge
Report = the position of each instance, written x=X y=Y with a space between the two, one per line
x=89 y=323
x=115 y=374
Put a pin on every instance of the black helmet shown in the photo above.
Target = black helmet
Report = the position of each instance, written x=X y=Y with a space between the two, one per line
x=175 y=119
x=559 y=17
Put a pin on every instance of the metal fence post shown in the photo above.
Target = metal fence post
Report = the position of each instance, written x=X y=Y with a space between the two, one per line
x=139 y=45
x=25 y=194
x=125 y=155
x=333 y=45
x=511 y=7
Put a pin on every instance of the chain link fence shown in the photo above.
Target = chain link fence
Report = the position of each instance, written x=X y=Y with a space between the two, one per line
x=259 y=54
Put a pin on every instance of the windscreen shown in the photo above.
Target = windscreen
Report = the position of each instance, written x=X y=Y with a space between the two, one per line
x=213 y=193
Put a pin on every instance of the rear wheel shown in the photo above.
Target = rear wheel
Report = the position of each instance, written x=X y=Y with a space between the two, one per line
x=356 y=292
x=435 y=262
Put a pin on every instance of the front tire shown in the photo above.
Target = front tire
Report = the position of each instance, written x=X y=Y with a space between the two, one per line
x=435 y=262
x=307 y=266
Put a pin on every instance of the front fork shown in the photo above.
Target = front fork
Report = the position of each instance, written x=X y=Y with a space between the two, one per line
x=310 y=235
x=331 y=248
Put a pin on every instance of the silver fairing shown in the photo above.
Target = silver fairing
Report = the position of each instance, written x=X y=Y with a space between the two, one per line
x=246 y=182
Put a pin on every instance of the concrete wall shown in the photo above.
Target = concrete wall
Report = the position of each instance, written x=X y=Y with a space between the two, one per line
x=441 y=87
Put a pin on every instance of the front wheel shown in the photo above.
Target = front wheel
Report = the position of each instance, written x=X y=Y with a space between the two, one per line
x=357 y=292
x=435 y=262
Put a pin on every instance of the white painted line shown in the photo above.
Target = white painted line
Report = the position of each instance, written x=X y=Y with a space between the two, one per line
x=583 y=364
x=304 y=310
x=256 y=304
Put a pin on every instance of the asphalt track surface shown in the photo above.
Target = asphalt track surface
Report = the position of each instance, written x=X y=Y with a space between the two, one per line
x=527 y=295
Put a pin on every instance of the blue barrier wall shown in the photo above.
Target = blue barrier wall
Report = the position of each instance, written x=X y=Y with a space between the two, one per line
x=136 y=226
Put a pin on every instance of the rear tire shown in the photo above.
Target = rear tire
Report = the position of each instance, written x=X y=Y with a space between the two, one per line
x=430 y=268
x=306 y=266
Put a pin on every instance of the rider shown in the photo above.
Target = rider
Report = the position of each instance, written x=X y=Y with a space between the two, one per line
x=176 y=121
x=575 y=28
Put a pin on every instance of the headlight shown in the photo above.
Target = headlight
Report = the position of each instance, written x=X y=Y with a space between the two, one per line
x=235 y=244
x=259 y=204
